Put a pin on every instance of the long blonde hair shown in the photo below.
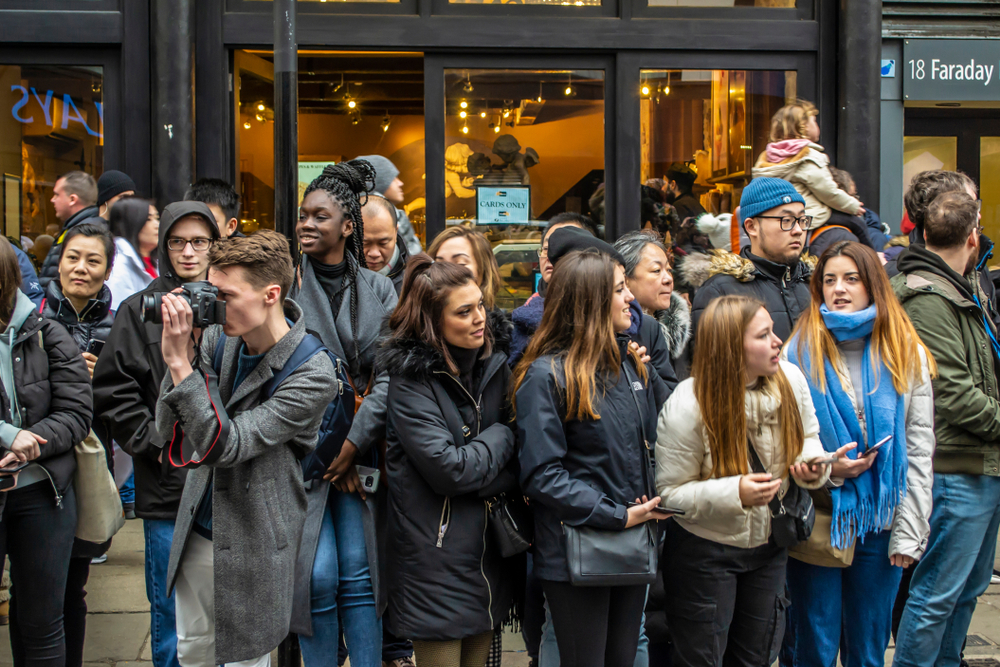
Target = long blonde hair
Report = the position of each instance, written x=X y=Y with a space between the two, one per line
x=719 y=373
x=894 y=339
x=577 y=326
x=791 y=120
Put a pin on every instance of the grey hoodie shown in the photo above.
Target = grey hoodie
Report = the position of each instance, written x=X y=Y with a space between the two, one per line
x=23 y=307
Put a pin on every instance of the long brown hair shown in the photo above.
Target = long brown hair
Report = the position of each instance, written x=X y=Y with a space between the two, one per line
x=482 y=252
x=419 y=315
x=894 y=340
x=577 y=326
x=719 y=373
x=10 y=282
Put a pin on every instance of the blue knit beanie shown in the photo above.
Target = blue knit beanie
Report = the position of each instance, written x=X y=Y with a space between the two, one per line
x=764 y=193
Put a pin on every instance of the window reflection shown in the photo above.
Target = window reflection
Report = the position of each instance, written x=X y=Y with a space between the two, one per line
x=52 y=123
x=722 y=3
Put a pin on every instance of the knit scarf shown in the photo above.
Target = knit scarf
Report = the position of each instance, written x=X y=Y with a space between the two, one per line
x=864 y=504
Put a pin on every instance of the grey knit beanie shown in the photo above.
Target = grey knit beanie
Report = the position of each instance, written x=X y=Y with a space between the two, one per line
x=385 y=171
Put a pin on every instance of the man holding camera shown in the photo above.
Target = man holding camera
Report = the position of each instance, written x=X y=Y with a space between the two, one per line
x=244 y=504
x=126 y=387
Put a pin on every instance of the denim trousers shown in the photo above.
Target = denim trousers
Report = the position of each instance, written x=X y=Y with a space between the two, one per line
x=341 y=589
x=548 y=648
x=159 y=534
x=127 y=490
x=846 y=610
x=953 y=572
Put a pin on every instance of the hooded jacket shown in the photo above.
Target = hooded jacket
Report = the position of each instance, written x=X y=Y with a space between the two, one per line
x=51 y=391
x=50 y=267
x=675 y=322
x=398 y=269
x=580 y=472
x=783 y=289
x=942 y=306
x=809 y=171
x=712 y=505
x=445 y=574
x=94 y=323
x=29 y=279
x=645 y=332
x=127 y=382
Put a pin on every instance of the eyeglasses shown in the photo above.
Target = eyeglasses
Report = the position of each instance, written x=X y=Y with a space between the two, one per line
x=199 y=244
x=788 y=222
x=542 y=252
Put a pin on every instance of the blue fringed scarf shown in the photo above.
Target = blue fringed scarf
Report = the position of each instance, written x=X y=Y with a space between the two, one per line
x=864 y=504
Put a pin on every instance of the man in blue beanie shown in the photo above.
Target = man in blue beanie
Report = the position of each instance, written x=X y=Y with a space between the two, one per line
x=769 y=269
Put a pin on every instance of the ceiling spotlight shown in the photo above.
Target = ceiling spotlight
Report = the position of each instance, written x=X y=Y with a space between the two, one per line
x=339 y=85
x=351 y=104
x=645 y=89
x=386 y=120
x=465 y=129
x=260 y=118
x=462 y=114
x=463 y=104
x=570 y=90
x=482 y=114
x=468 y=85
x=260 y=106
x=506 y=113
x=666 y=88
x=246 y=125
x=496 y=129
x=540 y=98
x=355 y=118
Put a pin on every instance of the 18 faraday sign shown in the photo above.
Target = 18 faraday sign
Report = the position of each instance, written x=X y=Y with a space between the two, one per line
x=951 y=70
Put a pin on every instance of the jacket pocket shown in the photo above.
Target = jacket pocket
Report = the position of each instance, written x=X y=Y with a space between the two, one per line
x=775 y=630
x=275 y=515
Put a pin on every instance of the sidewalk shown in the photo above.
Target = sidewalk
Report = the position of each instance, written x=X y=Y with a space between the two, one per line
x=118 y=623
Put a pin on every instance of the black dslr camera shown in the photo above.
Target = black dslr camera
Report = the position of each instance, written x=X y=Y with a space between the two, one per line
x=203 y=297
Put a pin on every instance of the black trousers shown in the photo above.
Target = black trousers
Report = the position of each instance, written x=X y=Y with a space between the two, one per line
x=727 y=604
x=595 y=626
x=37 y=536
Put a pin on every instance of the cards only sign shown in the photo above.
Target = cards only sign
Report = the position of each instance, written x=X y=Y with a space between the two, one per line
x=503 y=205
x=951 y=70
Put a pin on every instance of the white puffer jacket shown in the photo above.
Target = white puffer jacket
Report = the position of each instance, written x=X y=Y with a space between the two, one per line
x=684 y=465
x=911 y=522
x=809 y=173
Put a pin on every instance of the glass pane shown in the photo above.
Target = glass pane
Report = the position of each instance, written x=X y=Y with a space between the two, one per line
x=520 y=147
x=330 y=1
x=722 y=3
x=715 y=121
x=255 y=139
x=54 y=124
x=989 y=184
x=564 y=3
x=927 y=153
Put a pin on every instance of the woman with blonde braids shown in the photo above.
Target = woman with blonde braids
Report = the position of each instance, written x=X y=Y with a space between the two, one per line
x=722 y=571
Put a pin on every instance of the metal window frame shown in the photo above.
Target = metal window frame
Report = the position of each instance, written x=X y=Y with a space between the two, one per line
x=314 y=9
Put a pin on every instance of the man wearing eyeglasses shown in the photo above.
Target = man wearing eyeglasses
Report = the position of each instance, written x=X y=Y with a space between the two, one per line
x=126 y=388
x=769 y=269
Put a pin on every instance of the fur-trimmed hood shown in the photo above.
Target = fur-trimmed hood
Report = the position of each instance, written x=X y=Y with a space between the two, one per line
x=695 y=268
x=415 y=359
x=743 y=269
x=676 y=324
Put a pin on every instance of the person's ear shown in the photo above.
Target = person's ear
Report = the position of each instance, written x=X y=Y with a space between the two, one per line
x=231 y=227
x=107 y=276
x=348 y=228
x=751 y=228
x=272 y=295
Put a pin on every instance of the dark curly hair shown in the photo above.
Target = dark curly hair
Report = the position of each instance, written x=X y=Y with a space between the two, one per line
x=926 y=186
x=348 y=184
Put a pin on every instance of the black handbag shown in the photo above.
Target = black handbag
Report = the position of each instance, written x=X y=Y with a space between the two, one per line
x=511 y=523
x=597 y=557
x=792 y=517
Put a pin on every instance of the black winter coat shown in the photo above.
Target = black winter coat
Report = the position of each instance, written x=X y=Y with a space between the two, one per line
x=94 y=323
x=53 y=391
x=445 y=575
x=50 y=267
x=646 y=332
x=784 y=290
x=581 y=473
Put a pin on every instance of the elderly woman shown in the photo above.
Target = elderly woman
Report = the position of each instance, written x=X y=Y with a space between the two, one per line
x=651 y=281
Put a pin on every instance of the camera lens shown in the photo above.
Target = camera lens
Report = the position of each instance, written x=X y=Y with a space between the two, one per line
x=151 y=311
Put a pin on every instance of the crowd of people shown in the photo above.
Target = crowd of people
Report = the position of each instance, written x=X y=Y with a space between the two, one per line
x=697 y=445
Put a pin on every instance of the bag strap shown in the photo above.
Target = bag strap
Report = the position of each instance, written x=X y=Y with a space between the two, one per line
x=308 y=347
x=776 y=506
x=647 y=453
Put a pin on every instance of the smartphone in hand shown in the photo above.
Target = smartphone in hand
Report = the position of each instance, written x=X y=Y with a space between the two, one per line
x=877 y=446
x=660 y=510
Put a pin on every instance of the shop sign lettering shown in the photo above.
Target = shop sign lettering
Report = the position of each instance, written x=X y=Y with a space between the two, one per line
x=955 y=70
x=31 y=102
x=504 y=205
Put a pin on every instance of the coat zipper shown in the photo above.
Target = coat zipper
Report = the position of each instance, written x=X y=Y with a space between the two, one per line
x=443 y=523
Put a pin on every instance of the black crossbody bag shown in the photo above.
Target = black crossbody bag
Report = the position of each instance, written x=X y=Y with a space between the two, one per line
x=597 y=557
x=792 y=517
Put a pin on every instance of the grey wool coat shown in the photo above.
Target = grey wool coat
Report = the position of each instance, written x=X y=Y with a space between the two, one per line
x=376 y=301
x=259 y=500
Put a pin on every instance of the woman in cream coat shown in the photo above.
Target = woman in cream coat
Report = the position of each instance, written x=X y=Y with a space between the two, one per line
x=722 y=572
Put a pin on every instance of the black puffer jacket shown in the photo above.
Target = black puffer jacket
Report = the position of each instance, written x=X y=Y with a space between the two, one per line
x=783 y=289
x=445 y=575
x=94 y=323
x=53 y=393
x=581 y=473
x=127 y=383
x=50 y=267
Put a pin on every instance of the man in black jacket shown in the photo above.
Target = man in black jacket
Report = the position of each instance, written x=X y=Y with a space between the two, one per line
x=74 y=198
x=680 y=180
x=126 y=388
x=384 y=248
x=770 y=269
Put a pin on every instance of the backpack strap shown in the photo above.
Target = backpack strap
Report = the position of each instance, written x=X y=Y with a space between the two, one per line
x=220 y=350
x=775 y=505
x=308 y=347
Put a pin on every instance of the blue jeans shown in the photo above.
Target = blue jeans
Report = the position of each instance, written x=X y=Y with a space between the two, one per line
x=159 y=535
x=341 y=589
x=127 y=492
x=548 y=649
x=846 y=610
x=953 y=572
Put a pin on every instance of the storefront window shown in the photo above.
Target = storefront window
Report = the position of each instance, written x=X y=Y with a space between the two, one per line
x=53 y=123
x=350 y=104
x=520 y=147
x=564 y=3
x=715 y=121
x=925 y=154
x=723 y=3
x=989 y=184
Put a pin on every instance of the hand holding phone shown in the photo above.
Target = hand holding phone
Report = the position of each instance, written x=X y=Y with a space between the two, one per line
x=877 y=446
x=660 y=509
